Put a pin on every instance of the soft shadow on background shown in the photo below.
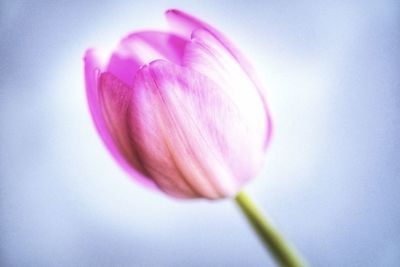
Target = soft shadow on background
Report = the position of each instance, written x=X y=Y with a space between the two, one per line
x=332 y=176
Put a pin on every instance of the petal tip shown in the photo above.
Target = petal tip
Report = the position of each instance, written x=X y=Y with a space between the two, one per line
x=173 y=14
x=87 y=54
x=172 y=11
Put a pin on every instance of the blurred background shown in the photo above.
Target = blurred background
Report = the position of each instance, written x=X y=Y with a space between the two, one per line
x=331 y=182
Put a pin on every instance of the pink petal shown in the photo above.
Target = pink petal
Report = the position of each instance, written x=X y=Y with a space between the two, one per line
x=191 y=137
x=153 y=141
x=186 y=24
x=92 y=68
x=140 y=48
x=105 y=93
x=206 y=55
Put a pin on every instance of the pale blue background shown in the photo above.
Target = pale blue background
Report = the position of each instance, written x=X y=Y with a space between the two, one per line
x=332 y=178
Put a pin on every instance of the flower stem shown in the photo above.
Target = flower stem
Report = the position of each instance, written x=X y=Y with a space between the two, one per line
x=283 y=253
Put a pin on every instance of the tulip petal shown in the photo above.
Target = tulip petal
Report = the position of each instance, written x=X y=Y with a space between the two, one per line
x=148 y=124
x=93 y=64
x=140 y=48
x=207 y=56
x=100 y=85
x=115 y=98
x=186 y=25
x=185 y=123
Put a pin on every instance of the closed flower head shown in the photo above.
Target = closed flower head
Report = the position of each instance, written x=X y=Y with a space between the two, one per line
x=181 y=111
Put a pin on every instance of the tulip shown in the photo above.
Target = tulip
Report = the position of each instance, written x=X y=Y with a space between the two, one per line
x=182 y=111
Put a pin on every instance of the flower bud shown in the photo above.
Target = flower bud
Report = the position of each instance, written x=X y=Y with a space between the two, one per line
x=181 y=111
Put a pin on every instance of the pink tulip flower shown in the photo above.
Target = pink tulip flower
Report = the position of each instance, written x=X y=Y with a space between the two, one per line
x=181 y=111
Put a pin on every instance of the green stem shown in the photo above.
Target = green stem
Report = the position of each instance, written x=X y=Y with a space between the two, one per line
x=283 y=253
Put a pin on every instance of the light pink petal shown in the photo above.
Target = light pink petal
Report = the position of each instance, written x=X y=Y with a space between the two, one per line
x=186 y=25
x=207 y=56
x=153 y=141
x=105 y=94
x=190 y=134
x=140 y=48
x=93 y=65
